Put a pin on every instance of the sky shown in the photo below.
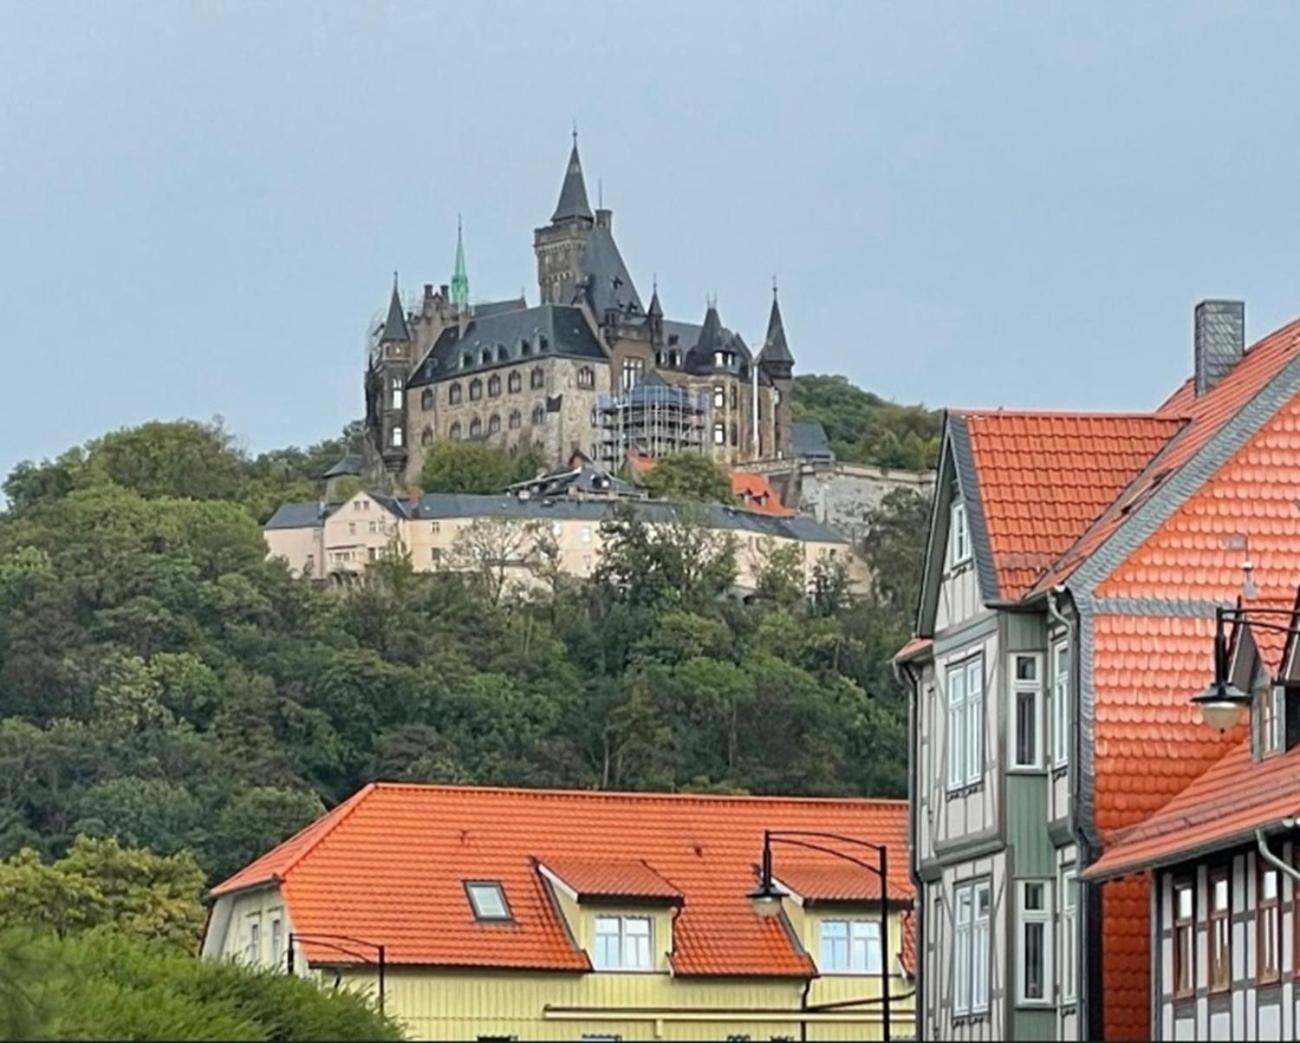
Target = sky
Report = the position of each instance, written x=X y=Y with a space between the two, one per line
x=974 y=204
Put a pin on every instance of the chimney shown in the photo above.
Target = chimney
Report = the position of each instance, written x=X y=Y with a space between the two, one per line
x=605 y=219
x=1220 y=341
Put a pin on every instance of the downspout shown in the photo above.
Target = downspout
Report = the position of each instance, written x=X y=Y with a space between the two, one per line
x=1267 y=855
x=905 y=672
x=1082 y=851
x=803 y=1006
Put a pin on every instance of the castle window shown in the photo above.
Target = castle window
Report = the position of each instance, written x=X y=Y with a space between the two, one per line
x=426 y=399
x=733 y=396
x=494 y=385
x=395 y=386
x=672 y=339
x=454 y=432
x=673 y=357
x=719 y=434
x=453 y=395
x=487 y=356
x=525 y=346
x=633 y=369
x=494 y=424
x=734 y=439
x=718 y=358
x=515 y=382
x=502 y=353
x=475 y=389
x=719 y=397
x=466 y=360
x=586 y=377
x=475 y=428
x=515 y=420
x=539 y=413
x=426 y=436
x=543 y=343
x=396 y=437
x=537 y=378
x=659 y=358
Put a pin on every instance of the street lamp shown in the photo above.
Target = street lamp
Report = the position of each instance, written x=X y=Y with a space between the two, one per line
x=1223 y=703
x=768 y=896
x=332 y=941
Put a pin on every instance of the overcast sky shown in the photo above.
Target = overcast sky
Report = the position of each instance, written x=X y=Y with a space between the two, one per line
x=201 y=204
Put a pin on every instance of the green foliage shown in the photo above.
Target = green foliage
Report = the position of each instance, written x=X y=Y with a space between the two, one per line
x=106 y=985
x=865 y=428
x=689 y=477
x=474 y=467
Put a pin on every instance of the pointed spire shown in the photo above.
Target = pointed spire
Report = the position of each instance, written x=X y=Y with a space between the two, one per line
x=573 y=193
x=395 y=327
x=776 y=351
x=459 y=276
x=656 y=310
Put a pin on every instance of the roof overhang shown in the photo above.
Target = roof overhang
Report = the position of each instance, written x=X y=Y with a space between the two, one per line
x=1105 y=869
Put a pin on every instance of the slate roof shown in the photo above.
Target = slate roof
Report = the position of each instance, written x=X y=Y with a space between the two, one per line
x=485 y=308
x=501 y=335
x=775 y=348
x=710 y=337
x=296 y=516
x=391 y=862
x=808 y=440
x=573 y=192
x=350 y=464
x=395 y=327
x=609 y=285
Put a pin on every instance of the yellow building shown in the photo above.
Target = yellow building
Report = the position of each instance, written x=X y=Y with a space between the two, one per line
x=539 y=914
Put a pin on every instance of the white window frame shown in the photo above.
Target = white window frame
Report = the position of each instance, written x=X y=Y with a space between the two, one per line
x=253 y=946
x=628 y=960
x=1061 y=655
x=277 y=940
x=1272 y=729
x=959 y=549
x=1027 y=921
x=970 y=947
x=964 y=734
x=860 y=945
x=719 y=434
x=488 y=901
x=1069 y=956
x=1033 y=688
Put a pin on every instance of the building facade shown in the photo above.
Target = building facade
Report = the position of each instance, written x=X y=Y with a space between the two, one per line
x=1074 y=567
x=535 y=914
x=563 y=375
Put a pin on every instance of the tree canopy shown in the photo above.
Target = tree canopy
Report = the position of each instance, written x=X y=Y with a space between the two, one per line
x=865 y=428
x=691 y=477
x=475 y=467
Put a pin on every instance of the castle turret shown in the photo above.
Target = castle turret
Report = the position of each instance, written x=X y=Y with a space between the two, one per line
x=459 y=276
x=386 y=388
x=777 y=364
x=655 y=318
x=560 y=246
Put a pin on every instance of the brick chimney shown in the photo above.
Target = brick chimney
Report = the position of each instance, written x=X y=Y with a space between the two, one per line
x=605 y=218
x=1220 y=341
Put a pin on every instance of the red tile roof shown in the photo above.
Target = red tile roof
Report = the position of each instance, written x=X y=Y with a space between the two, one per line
x=389 y=866
x=755 y=492
x=835 y=882
x=611 y=878
x=1044 y=477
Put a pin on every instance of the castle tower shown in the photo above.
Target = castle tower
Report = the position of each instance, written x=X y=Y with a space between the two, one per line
x=459 y=276
x=777 y=364
x=561 y=244
x=386 y=388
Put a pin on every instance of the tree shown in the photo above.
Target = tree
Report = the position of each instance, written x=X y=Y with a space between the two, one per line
x=465 y=467
x=864 y=428
x=690 y=477
x=493 y=550
x=677 y=561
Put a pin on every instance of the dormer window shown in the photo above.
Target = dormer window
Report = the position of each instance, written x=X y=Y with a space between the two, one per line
x=623 y=943
x=1271 y=702
x=525 y=346
x=850 y=947
x=958 y=535
x=466 y=360
x=488 y=900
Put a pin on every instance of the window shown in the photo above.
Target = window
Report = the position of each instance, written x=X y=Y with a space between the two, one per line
x=1272 y=718
x=514 y=382
x=352 y=528
x=488 y=900
x=435 y=555
x=525 y=346
x=487 y=356
x=475 y=389
x=674 y=357
x=964 y=738
x=277 y=941
x=1268 y=925
x=475 y=427
x=719 y=434
x=539 y=414
x=585 y=534
x=958 y=535
x=453 y=395
x=1035 y=949
x=515 y=420
x=1026 y=711
x=719 y=396
x=586 y=377
x=971 y=949
x=1220 y=931
x=466 y=360
x=426 y=398
x=850 y=947
x=536 y=378
x=395 y=388
x=543 y=343
x=426 y=436
x=253 y=950
x=632 y=372
x=494 y=385
x=1061 y=704
x=1184 y=939
x=623 y=943
x=397 y=436
x=502 y=353
x=1069 y=936
x=455 y=430
x=372 y=528
x=733 y=434
x=494 y=424
x=734 y=398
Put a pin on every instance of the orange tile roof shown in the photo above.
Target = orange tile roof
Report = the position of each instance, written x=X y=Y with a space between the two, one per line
x=1044 y=477
x=835 y=882
x=611 y=878
x=389 y=866
x=756 y=494
x=915 y=647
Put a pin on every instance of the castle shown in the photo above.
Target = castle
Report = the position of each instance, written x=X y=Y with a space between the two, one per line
x=589 y=369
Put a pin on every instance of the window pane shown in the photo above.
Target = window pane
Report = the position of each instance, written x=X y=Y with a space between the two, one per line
x=1026 y=729
x=489 y=901
x=1184 y=903
x=1033 y=898
x=1220 y=896
x=1269 y=887
x=1034 y=963
x=1026 y=668
x=980 y=967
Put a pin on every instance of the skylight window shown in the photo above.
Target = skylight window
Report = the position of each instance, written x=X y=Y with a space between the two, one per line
x=488 y=900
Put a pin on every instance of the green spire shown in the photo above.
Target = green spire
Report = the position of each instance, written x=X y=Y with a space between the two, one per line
x=459 y=277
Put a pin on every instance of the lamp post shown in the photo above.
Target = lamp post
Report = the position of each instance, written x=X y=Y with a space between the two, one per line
x=1223 y=703
x=331 y=941
x=767 y=897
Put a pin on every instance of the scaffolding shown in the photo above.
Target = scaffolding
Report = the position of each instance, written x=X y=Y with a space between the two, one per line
x=652 y=418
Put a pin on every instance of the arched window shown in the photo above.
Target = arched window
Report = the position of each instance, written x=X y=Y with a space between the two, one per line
x=395 y=385
x=487 y=356
x=719 y=396
x=515 y=420
x=719 y=434
x=525 y=346
x=673 y=359
x=453 y=394
x=543 y=343
x=494 y=385
x=466 y=360
x=515 y=382
x=502 y=353
x=475 y=389
x=494 y=424
x=455 y=431
x=426 y=436
x=539 y=414
x=426 y=399
x=537 y=378
x=475 y=427
x=397 y=436
x=733 y=396
x=586 y=377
